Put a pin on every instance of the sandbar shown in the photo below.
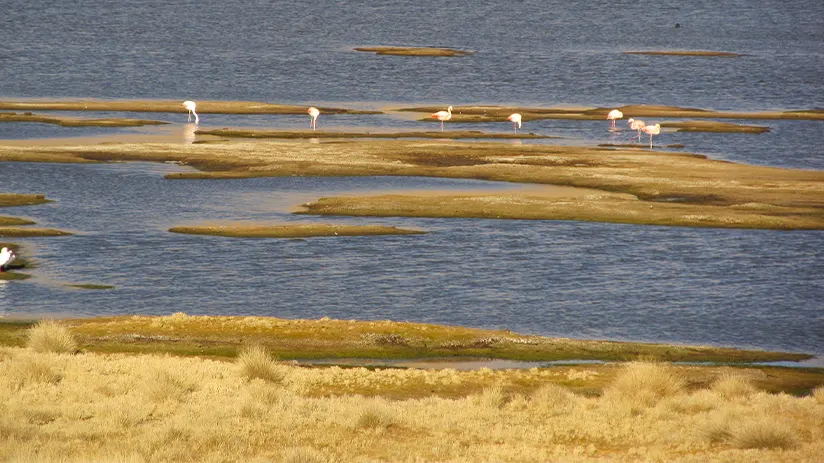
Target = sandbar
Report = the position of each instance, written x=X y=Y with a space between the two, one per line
x=719 y=54
x=303 y=230
x=714 y=126
x=309 y=134
x=170 y=106
x=77 y=122
x=414 y=51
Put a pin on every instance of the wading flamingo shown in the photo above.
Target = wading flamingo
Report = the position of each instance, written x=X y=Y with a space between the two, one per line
x=636 y=125
x=313 y=114
x=614 y=114
x=190 y=105
x=6 y=257
x=443 y=116
x=651 y=130
x=516 y=121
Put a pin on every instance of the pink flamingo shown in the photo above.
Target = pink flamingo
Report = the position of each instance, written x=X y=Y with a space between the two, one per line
x=636 y=125
x=614 y=114
x=313 y=114
x=443 y=116
x=651 y=130
x=190 y=105
x=516 y=121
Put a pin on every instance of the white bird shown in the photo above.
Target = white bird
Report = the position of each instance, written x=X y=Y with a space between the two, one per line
x=516 y=121
x=614 y=114
x=636 y=124
x=651 y=130
x=6 y=257
x=313 y=114
x=443 y=116
x=191 y=105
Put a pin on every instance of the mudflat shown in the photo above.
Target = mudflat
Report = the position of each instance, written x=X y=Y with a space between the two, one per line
x=169 y=106
x=307 y=230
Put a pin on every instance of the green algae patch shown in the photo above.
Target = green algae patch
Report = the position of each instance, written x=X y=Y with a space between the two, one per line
x=77 y=122
x=282 y=134
x=718 y=54
x=714 y=126
x=414 y=51
x=15 y=199
x=30 y=232
x=182 y=334
x=13 y=276
x=14 y=221
x=292 y=230
x=499 y=113
x=91 y=286
x=171 y=106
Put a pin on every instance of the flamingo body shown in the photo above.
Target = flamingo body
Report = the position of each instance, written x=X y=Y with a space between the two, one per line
x=443 y=116
x=614 y=114
x=191 y=106
x=636 y=124
x=651 y=130
x=516 y=121
x=6 y=257
x=313 y=114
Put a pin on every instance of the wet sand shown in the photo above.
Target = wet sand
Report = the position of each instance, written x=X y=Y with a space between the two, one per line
x=309 y=134
x=169 y=106
x=77 y=122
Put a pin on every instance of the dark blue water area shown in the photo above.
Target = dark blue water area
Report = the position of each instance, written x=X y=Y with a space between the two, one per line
x=751 y=288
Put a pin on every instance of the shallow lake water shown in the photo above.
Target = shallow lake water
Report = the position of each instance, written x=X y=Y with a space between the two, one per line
x=750 y=288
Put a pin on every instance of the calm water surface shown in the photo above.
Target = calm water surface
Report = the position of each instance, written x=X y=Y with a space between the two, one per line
x=588 y=280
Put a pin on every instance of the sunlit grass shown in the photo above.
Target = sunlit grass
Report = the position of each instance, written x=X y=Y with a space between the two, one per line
x=50 y=336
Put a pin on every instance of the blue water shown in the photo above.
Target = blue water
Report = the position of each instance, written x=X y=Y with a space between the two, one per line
x=585 y=280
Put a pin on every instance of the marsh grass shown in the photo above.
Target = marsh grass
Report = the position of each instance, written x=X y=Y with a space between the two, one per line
x=763 y=433
x=256 y=363
x=163 y=385
x=375 y=417
x=645 y=383
x=818 y=394
x=730 y=386
x=25 y=370
x=50 y=336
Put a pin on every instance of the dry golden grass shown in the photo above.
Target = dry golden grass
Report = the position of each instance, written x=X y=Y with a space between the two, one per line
x=818 y=394
x=50 y=336
x=645 y=383
x=103 y=410
x=256 y=363
x=732 y=386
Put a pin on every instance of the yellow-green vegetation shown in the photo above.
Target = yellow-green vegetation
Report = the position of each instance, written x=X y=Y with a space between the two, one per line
x=298 y=230
x=14 y=221
x=308 y=134
x=499 y=113
x=639 y=145
x=51 y=336
x=30 y=232
x=92 y=407
x=221 y=336
x=19 y=263
x=90 y=286
x=721 y=54
x=414 y=51
x=17 y=199
x=77 y=122
x=714 y=126
x=634 y=186
x=170 y=106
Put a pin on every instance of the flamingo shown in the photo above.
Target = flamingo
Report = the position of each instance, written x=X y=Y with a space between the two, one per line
x=443 y=116
x=6 y=257
x=313 y=114
x=516 y=121
x=615 y=114
x=191 y=105
x=651 y=130
x=636 y=125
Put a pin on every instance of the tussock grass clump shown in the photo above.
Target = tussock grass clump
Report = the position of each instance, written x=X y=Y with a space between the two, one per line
x=553 y=398
x=373 y=417
x=818 y=394
x=256 y=363
x=163 y=386
x=716 y=429
x=304 y=455
x=50 y=336
x=645 y=383
x=26 y=370
x=491 y=397
x=762 y=434
x=730 y=385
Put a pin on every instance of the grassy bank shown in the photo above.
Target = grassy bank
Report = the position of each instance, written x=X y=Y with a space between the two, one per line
x=77 y=122
x=93 y=407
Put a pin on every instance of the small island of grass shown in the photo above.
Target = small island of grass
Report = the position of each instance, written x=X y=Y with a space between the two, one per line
x=308 y=134
x=31 y=232
x=415 y=51
x=718 y=54
x=715 y=126
x=77 y=122
x=15 y=199
x=90 y=286
x=14 y=221
x=308 y=230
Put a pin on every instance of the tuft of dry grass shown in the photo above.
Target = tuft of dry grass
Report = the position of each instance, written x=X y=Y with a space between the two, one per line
x=256 y=363
x=374 y=417
x=645 y=383
x=763 y=434
x=490 y=397
x=50 y=336
x=818 y=394
x=163 y=385
x=26 y=370
x=731 y=385
x=303 y=455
